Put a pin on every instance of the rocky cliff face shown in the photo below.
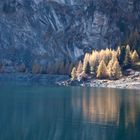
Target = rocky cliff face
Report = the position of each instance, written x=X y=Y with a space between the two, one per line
x=50 y=34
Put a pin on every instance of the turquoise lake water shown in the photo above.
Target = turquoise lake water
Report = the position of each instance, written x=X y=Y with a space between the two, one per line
x=69 y=113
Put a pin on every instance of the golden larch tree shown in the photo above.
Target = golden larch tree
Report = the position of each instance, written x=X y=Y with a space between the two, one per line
x=135 y=56
x=108 y=55
x=116 y=70
x=73 y=74
x=102 y=55
x=102 y=70
x=86 y=61
x=127 y=61
x=79 y=68
x=110 y=68
x=118 y=51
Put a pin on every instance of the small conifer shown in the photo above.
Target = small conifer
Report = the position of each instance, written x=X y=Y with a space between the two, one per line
x=73 y=74
x=127 y=60
x=135 y=56
x=102 y=70
x=79 y=68
x=116 y=70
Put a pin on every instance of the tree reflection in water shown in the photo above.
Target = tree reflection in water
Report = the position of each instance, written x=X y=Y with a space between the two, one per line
x=73 y=113
x=111 y=109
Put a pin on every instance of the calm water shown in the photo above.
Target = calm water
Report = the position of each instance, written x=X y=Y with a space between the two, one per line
x=42 y=113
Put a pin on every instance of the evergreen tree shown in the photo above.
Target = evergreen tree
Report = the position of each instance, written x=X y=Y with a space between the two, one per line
x=111 y=64
x=92 y=71
x=114 y=55
x=118 y=52
x=73 y=74
x=79 y=68
x=135 y=56
x=102 y=70
x=116 y=70
x=108 y=55
x=92 y=59
x=110 y=68
x=122 y=55
x=87 y=69
x=97 y=59
x=128 y=48
x=127 y=61
x=95 y=63
x=86 y=61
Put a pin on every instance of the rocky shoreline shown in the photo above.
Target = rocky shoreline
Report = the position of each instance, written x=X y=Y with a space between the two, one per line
x=127 y=82
x=30 y=79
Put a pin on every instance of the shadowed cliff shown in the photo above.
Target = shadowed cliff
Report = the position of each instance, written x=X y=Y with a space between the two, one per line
x=47 y=36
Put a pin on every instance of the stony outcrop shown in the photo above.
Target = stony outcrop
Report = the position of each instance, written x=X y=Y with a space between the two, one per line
x=131 y=81
x=55 y=33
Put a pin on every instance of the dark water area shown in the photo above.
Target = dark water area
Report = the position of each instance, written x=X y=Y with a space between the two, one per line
x=73 y=113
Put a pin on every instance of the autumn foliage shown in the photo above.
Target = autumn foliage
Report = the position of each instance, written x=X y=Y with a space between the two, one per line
x=106 y=64
x=102 y=70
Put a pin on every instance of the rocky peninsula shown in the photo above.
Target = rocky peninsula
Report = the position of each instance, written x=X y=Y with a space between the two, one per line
x=132 y=81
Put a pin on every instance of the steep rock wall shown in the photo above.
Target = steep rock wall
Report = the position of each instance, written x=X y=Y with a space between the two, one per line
x=52 y=34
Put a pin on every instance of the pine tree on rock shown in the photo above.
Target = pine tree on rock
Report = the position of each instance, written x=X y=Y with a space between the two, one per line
x=73 y=74
x=102 y=70
x=116 y=70
x=135 y=56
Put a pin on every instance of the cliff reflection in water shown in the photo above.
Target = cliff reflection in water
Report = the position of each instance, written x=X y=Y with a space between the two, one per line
x=33 y=113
